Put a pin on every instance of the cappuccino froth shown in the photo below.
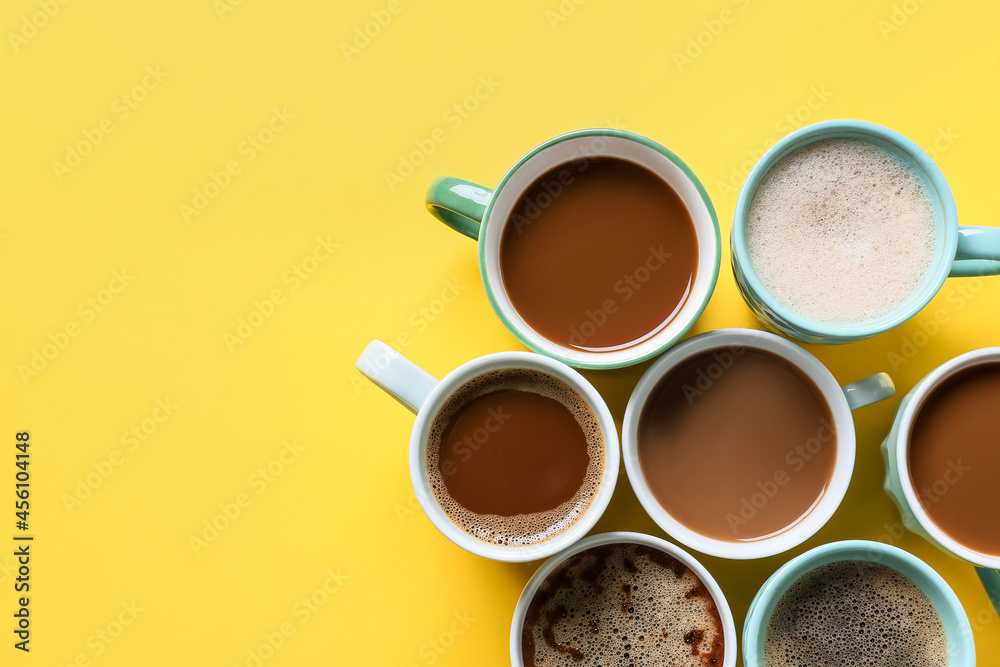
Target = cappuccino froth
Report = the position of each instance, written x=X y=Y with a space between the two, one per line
x=842 y=231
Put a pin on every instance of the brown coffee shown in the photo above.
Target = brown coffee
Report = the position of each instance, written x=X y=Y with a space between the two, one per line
x=954 y=457
x=599 y=254
x=855 y=613
x=622 y=604
x=737 y=444
x=515 y=457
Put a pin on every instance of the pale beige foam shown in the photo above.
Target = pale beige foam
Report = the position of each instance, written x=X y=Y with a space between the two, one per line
x=855 y=613
x=622 y=604
x=522 y=529
x=842 y=231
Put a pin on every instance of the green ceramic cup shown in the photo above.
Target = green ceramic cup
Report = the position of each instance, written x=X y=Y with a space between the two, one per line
x=482 y=213
x=961 y=647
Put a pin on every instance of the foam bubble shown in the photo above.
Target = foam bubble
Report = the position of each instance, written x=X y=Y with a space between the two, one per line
x=622 y=604
x=855 y=613
x=522 y=529
x=842 y=231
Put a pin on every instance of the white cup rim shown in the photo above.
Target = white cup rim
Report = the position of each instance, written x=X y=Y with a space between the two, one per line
x=839 y=409
x=619 y=144
x=624 y=537
x=916 y=400
x=429 y=410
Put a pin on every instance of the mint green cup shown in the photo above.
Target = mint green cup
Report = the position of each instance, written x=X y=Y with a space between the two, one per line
x=961 y=646
x=482 y=213
x=899 y=485
x=962 y=251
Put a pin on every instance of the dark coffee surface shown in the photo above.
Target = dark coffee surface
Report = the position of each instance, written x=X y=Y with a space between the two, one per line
x=737 y=443
x=599 y=254
x=855 y=613
x=515 y=456
x=622 y=604
x=954 y=457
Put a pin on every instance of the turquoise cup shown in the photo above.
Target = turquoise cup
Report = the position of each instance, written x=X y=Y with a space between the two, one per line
x=962 y=251
x=899 y=485
x=961 y=646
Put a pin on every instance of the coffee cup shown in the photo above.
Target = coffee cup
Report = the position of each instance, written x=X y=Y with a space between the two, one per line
x=438 y=473
x=932 y=475
x=676 y=566
x=741 y=444
x=642 y=295
x=950 y=249
x=960 y=649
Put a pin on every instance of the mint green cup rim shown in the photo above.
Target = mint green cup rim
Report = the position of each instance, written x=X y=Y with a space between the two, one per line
x=961 y=646
x=690 y=312
x=895 y=143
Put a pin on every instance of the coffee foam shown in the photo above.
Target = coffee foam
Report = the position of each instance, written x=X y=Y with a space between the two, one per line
x=842 y=231
x=855 y=613
x=622 y=604
x=522 y=529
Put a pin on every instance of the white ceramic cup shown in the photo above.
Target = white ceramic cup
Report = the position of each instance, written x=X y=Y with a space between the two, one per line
x=725 y=614
x=424 y=395
x=841 y=401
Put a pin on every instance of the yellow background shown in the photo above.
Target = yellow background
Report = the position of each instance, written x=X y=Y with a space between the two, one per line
x=341 y=513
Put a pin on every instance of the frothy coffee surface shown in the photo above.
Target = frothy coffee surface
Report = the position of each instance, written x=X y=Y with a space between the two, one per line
x=515 y=457
x=622 y=604
x=842 y=231
x=855 y=613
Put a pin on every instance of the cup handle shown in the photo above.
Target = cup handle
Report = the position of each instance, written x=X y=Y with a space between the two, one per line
x=991 y=582
x=978 y=252
x=872 y=389
x=398 y=376
x=459 y=204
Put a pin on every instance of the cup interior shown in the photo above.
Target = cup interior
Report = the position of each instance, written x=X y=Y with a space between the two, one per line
x=924 y=391
x=621 y=537
x=811 y=366
x=418 y=455
x=592 y=144
x=961 y=647
x=908 y=153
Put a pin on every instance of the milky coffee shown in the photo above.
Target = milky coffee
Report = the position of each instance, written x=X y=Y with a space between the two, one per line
x=842 y=231
x=515 y=457
x=858 y=613
x=622 y=604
